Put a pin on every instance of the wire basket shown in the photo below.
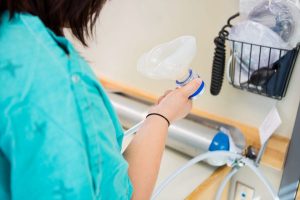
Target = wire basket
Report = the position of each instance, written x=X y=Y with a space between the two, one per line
x=261 y=69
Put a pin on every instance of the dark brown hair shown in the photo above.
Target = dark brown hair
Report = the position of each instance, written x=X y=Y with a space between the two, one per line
x=78 y=15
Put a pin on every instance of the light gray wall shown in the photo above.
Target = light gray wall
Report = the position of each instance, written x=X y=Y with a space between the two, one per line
x=128 y=28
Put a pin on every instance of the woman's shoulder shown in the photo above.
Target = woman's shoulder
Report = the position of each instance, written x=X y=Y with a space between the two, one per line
x=25 y=38
x=28 y=53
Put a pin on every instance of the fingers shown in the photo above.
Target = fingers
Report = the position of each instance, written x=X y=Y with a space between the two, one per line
x=191 y=87
x=165 y=94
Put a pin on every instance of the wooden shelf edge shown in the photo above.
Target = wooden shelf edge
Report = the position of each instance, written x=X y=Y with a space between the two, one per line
x=275 y=153
x=207 y=190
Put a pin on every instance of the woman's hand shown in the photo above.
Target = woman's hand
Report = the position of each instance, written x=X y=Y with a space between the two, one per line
x=175 y=104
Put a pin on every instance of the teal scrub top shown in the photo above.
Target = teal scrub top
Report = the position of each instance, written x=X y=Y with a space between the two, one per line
x=59 y=135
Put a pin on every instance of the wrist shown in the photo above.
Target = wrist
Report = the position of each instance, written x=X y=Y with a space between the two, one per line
x=154 y=114
x=163 y=112
x=157 y=122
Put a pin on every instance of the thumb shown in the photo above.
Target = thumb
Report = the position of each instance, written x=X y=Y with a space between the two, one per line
x=191 y=87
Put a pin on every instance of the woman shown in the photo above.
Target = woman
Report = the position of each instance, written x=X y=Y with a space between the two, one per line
x=59 y=135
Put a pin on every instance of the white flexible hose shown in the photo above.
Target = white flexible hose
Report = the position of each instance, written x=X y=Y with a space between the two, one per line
x=224 y=182
x=207 y=155
x=193 y=161
x=133 y=129
x=202 y=157
x=251 y=166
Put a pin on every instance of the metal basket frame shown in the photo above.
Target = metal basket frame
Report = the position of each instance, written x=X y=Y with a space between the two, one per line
x=236 y=66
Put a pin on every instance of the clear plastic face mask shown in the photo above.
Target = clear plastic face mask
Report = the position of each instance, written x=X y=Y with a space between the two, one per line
x=171 y=61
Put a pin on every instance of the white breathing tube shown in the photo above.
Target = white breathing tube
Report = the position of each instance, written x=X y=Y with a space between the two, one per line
x=133 y=129
x=234 y=156
x=225 y=181
x=201 y=157
x=231 y=156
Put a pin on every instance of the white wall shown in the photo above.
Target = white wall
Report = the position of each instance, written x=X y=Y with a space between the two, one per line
x=129 y=28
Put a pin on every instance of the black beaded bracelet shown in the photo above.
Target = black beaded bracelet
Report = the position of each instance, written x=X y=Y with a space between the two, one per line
x=160 y=116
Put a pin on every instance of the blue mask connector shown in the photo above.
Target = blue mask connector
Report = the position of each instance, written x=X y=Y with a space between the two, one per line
x=191 y=76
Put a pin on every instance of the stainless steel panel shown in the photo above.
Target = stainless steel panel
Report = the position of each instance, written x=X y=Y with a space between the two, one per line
x=291 y=173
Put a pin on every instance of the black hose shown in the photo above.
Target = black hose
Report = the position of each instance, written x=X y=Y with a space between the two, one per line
x=219 y=58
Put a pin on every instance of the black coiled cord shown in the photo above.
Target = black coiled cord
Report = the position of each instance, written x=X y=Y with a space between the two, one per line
x=219 y=58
